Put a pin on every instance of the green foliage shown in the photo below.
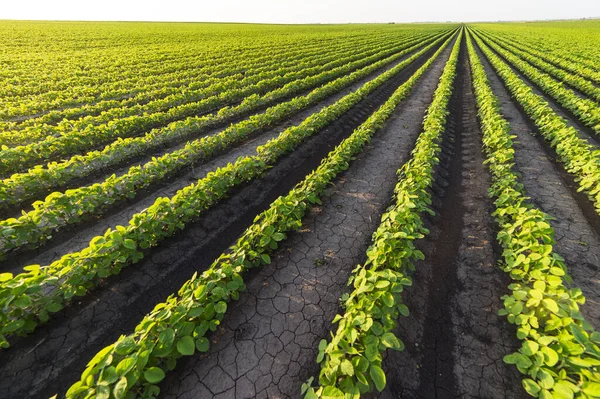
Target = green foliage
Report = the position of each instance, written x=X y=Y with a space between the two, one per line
x=559 y=352
x=39 y=180
x=568 y=98
x=351 y=361
x=580 y=158
x=178 y=326
x=76 y=273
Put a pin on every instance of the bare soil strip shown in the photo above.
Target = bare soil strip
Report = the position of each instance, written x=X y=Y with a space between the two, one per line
x=50 y=360
x=585 y=132
x=552 y=190
x=267 y=344
x=455 y=340
x=124 y=166
x=75 y=238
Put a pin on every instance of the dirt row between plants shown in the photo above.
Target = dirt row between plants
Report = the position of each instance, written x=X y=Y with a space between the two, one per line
x=75 y=238
x=123 y=167
x=50 y=359
x=585 y=132
x=552 y=190
x=267 y=344
x=455 y=340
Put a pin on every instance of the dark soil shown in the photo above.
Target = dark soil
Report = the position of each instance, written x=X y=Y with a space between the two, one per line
x=267 y=342
x=553 y=190
x=75 y=237
x=266 y=346
x=586 y=132
x=455 y=341
x=124 y=166
x=51 y=359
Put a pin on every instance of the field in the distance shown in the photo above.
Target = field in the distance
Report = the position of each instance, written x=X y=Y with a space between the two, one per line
x=271 y=211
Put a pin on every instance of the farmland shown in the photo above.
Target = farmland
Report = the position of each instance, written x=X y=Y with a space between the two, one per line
x=319 y=211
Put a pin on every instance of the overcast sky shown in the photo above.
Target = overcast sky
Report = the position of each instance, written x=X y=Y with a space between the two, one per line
x=299 y=11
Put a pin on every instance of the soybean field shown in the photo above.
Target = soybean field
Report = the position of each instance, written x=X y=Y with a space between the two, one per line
x=203 y=210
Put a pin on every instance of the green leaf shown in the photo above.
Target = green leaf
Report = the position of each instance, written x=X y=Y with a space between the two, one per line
x=120 y=388
x=221 y=307
x=390 y=340
x=22 y=302
x=388 y=299
x=306 y=385
x=546 y=340
x=545 y=379
x=403 y=309
x=266 y=258
x=129 y=244
x=530 y=348
x=278 y=236
x=523 y=361
x=154 y=375
x=109 y=374
x=562 y=390
x=382 y=284
x=100 y=356
x=102 y=392
x=320 y=356
x=531 y=387
x=202 y=344
x=579 y=334
x=347 y=367
x=550 y=356
x=322 y=344
x=125 y=365
x=371 y=351
x=166 y=337
x=591 y=389
x=332 y=392
x=378 y=377
x=186 y=346
x=53 y=307
x=551 y=305
x=125 y=346
x=517 y=308
x=76 y=389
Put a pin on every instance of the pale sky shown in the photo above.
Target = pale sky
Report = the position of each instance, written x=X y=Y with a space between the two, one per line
x=290 y=11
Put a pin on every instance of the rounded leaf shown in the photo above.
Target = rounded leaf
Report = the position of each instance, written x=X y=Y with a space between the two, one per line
x=154 y=375
x=120 y=388
x=378 y=377
x=202 y=344
x=186 y=346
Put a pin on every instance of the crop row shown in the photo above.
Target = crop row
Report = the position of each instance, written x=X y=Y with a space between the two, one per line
x=27 y=298
x=191 y=79
x=178 y=327
x=587 y=111
x=67 y=99
x=175 y=108
x=25 y=186
x=576 y=45
x=351 y=361
x=113 y=82
x=559 y=353
x=204 y=88
x=126 y=67
x=578 y=156
x=181 y=86
x=573 y=80
x=556 y=60
x=61 y=209
x=561 y=58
